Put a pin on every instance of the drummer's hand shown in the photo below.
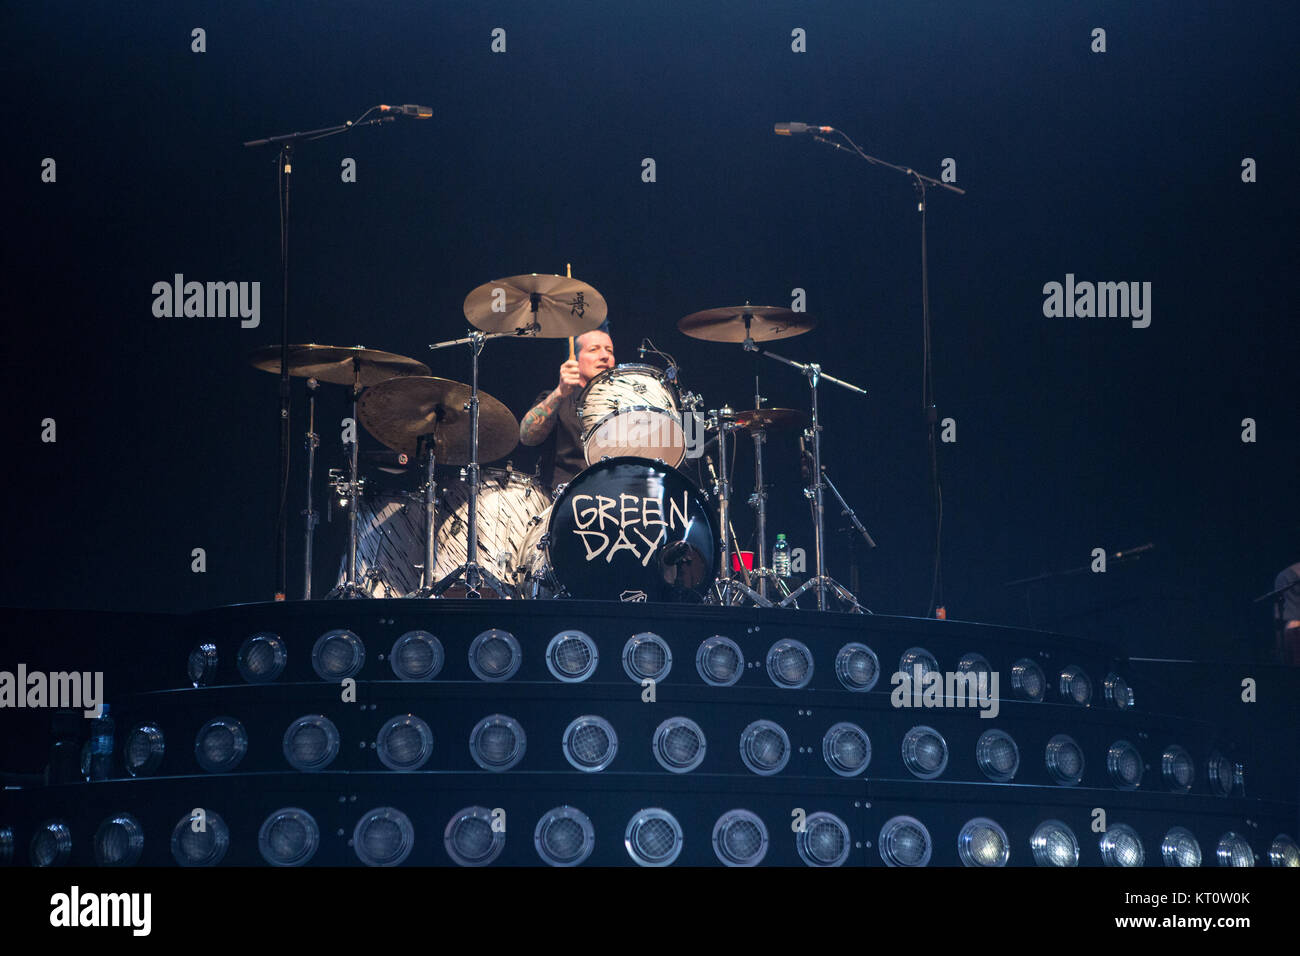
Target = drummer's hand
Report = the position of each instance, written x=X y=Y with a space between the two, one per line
x=570 y=378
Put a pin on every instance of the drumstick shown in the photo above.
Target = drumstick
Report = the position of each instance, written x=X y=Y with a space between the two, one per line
x=568 y=274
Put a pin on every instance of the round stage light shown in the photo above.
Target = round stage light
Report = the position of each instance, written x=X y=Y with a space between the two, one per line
x=679 y=744
x=1121 y=846
x=417 y=655
x=1224 y=774
x=261 y=658
x=1125 y=765
x=6 y=846
x=404 y=743
x=824 y=840
x=51 y=844
x=571 y=656
x=1283 y=851
x=1117 y=692
x=497 y=743
x=1028 y=681
x=1076 y=686
x=119 y=841
x=590 y=743
x=983 y=842
x=1234 y=850
x=220 y=744
x=202 y=665
x=1177 y=769
x=646 y=657
x=564 y=837
x=925 y=752
x=846 y=748
x=471 y=838
x=790 y=664
x=1064 y=759
x=311 y=743
x=337 y=655
x=495 y=655
x=857 y=667
x=914 y=656
x=740 y=838
x=383 y=837
x=653 y=837
x=904 y=841
x=143 y=749
x=719 y=661
x=288 y=837
x=997 y=755
x=973 y=663
x=1054 y=844
x=200 y=840
x=765 y=747
x=1180 y=848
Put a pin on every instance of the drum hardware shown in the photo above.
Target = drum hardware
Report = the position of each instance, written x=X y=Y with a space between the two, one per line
x=429 y=445
x=310 y=518
x=350 y=589
x=849 y=513
x=729 y=590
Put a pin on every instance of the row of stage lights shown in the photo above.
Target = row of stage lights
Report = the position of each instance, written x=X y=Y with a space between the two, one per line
x=565 y=836
x=571 y=656
x=589 y=743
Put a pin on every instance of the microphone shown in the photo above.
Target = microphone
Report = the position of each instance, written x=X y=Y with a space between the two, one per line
x=792 y=129
x=408 y=109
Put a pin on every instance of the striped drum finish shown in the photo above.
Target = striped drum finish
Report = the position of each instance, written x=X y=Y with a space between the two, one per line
x=506 y=502
x=631 y=410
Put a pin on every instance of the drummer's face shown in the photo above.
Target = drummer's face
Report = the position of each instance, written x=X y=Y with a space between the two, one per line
x=595 y=354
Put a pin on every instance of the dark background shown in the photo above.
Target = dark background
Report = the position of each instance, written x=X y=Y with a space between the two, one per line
x=1072 y=433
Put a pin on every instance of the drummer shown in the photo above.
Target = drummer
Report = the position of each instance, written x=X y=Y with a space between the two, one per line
x=552 y=422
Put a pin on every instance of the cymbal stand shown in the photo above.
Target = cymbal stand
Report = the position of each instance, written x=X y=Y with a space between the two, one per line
x=729 y=590
x=758 y=501
x=429 y=442
x=352 y=488
x=312 y=441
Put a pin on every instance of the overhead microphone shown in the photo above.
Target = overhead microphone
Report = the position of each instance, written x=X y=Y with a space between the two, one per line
x=408 y=109
x=795 y=129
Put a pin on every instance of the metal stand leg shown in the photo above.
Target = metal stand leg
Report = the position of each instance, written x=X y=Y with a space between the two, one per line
x=350 y=588
x=425 y=589
x=730 y=590
x=312 y=442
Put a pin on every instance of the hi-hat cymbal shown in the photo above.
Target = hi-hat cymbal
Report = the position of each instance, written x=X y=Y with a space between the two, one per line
x=334 y=364
x=564 y=306
x=400 y=410
x=771 y=418
x=762 y=323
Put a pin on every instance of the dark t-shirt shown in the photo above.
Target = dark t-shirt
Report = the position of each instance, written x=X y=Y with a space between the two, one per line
x=561 y=453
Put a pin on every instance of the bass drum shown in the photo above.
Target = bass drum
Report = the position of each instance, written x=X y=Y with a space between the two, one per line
x=626 y=529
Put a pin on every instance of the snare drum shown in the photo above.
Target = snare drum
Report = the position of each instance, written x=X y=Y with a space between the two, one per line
x=631 y=410
x=626 y=529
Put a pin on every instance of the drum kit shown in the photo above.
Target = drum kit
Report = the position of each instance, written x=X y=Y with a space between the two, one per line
x=631 y=527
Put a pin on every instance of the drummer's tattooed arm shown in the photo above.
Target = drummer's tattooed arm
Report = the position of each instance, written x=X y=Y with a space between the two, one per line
x=540 y=420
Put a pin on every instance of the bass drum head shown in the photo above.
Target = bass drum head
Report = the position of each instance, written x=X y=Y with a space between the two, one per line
x=631 y=529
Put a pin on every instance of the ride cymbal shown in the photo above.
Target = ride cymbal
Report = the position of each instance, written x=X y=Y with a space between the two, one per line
x=762 y=323
x=564 y=306
x=334 y=364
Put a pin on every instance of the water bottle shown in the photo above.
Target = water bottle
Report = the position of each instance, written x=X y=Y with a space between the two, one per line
x=101 y=745
x=781 y=557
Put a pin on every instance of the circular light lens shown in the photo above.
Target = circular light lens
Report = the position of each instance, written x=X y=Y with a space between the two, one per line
x=202 y=665
x=261 y=658
x=915 y=657
x=1117 y=692
x=1223 y=774
x=1121 y=846
x=904 y=841
x=417 y=655
x=6 y=846
x=1125 y=766
x=119 y=841
x=646 y=657
x=564 y=837
x=846 y=748
x=973 y=663
x=288 y=837
x=740 y=838
x=719 y=661
x=1054 y=844
x=497 y=743
x=790 y=664
x=495 y=655
x=925 y=752
x=1076 y=686
x=571 y=656
x=1180 y=848
x=1283 y=851
x=1027 y=680
x=1234 y=850
x=765 y=747
x=590 y=743
x=473 y=837
x=337 y=655
x=824 y=840
x=983 y=842
x=857 y=667
x=1064 y=759
x=653 y=837
x=51 y=844
x=997 y=755
x=383 y=837
x=311 y=743
x=200 y=839
x=1178 y=769
x=143 y=750
x=679 y=744
x=220 y=744
x=404 y=743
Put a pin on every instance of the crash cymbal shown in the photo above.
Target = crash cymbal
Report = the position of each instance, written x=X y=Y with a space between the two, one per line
x=763 y=322
x=778 y=418
x=564 y=306
x=333 y=364
x=400 y=410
